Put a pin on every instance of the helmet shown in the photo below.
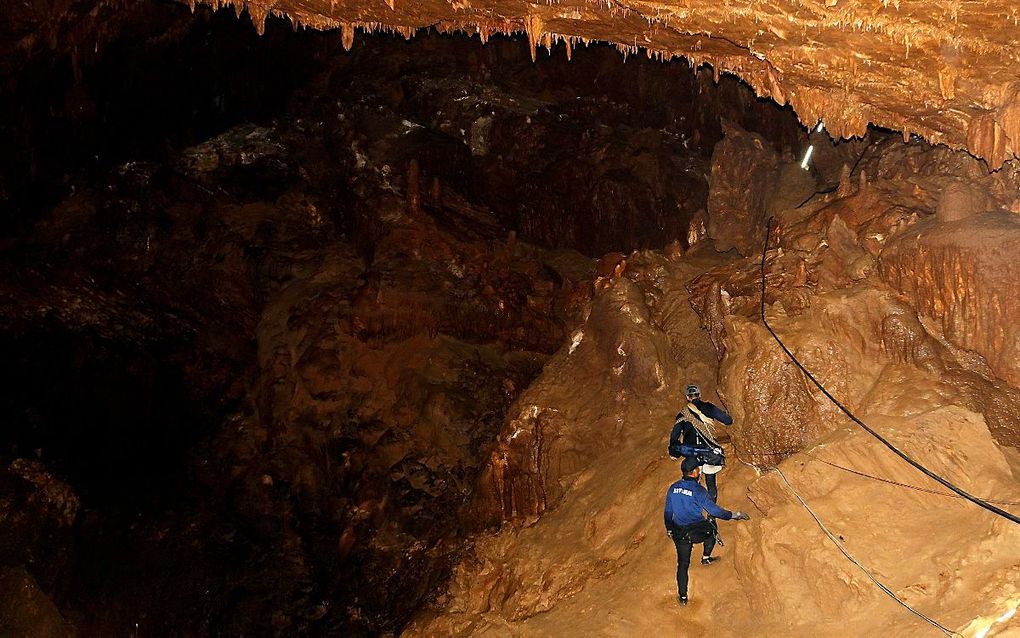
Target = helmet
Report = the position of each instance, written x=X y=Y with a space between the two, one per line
x=689 y=464
x=693 y=390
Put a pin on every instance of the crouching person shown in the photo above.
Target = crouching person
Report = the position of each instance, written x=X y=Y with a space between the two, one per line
x=686 y=524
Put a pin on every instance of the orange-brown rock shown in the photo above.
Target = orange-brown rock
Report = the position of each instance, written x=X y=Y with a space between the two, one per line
x=25 y=610
x=553 y=437
x=745 y=169
x=599 y=562
x=943 y=71
x=957 y=317
x=963 y=274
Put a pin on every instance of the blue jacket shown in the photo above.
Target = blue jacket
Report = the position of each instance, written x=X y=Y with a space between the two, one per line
x=685 y=501
x=684 y=433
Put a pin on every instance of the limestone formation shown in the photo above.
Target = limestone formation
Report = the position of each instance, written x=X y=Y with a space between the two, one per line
x=311 y=330
x=938 y=70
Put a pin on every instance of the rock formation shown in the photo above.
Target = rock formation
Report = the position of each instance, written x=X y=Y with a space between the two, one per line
x=836 y=295
x=940 y=71
x=311 y=332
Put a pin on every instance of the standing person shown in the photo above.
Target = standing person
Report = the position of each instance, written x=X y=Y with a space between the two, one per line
x=685 y=521
x=693 y=436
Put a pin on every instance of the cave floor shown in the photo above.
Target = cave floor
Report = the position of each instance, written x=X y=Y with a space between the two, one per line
x=600 y=564
x=639 y=596
x=632 y=590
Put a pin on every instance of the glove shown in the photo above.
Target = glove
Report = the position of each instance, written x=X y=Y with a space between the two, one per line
x=740 y=516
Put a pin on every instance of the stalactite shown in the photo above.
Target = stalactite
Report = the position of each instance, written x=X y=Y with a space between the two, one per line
x=941 y=90
x=533 y=26
x=347 y=36
x=259 y=15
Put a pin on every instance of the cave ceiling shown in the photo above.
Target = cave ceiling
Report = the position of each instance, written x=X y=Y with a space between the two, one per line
x=946 y=70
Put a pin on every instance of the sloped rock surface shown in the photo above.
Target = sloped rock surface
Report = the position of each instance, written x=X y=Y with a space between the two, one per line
x=25 y=610
x=552 y=437
x=594 y=562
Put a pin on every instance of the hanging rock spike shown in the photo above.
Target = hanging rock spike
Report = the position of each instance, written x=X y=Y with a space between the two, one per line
x=347 y=35
x=942 y=58
x=258 y=15
x=533 y=26
x=774 y=88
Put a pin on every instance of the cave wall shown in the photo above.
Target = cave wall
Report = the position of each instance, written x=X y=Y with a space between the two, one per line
x=879 y=273
x=163 y=79
x=582 y=467
x=340 y=309
x=274 y=331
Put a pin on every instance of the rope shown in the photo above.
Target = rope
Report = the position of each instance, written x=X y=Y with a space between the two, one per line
x=835 y=541
x=865 y=474
x=836 y=187
x=897 y=483
x=839 y=545
x=932 y=475
x=701 y=424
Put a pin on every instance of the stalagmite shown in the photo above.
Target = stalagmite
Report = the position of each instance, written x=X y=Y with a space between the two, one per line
x=413 y=188
x=437 y=193
x=845 y=189
x=415 y=321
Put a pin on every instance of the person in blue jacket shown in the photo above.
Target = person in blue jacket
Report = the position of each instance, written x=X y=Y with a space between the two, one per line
x=693 y=436
x=686 y=502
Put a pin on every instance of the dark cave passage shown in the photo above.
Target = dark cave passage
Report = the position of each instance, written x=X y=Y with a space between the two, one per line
x=572 y=140
x=118 y=425
x=271 y=302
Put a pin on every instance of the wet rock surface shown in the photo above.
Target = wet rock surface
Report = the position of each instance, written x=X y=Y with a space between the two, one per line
x=267 y=382
x=842 y=309
x=962 y=272
x=736 y=213
x=342 y=360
